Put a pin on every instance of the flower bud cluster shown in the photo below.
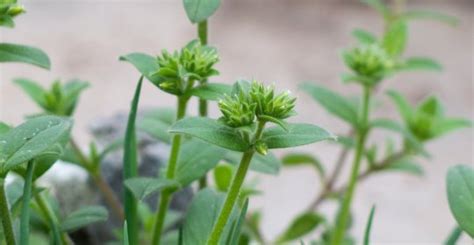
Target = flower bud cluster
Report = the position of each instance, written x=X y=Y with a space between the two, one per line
x=370 y=62
x=8 y=11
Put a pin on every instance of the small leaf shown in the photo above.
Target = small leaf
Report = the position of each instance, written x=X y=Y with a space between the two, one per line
x=404 y=108
x=445 y=125
x=33 y=89
x=142 y=187
x=25 y=54
x=223 y=176
x=235 y=233
x=299 y=159
x=195 y=159
x=406 y=165
x=368 y=227
x=33 y=139
x=396 y=127
x=276 y=121
x=364 y=36
x=297 y=134
x=430 y=15
x=300 y=226
x=211 y=91
x=267 y=164
x=155 y=128
x=200 y=10
x=420 y=63
x=84 y=217
x=145 y=64
x=201 y=216
x=211 y=131
x=460 y=188
x=395 y=38
x=332 y=102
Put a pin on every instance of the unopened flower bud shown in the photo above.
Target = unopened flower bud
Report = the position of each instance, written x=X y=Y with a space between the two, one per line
x=237 y=110
x=369 y=61
x=261 y=147
x=279 y=106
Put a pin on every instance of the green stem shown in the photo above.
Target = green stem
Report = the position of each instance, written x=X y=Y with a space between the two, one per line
x=166 y=194
x=5 y=215
x=59 y=237
x=25 y=209
x=454 y=236
x=202 y=34
x=234 y=191
x=338 y=234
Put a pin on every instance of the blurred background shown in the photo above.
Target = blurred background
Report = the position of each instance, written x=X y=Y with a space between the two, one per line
x=281 y=42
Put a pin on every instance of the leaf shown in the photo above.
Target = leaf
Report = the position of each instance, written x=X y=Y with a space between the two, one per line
x=223 y=176
x=404 y=108
x=460 y=188
x=33 y=89
x=406 y=165
x=267 y=164
x=130 y=168
x=210 y=131
x=157 y=123
x=297 y=134
x=420 y=63
x=368 y=227
x=446 y=125
x=301 y=159
x=200 y=10
x=142 y=187
x=395 y=38
x=33 y=139
x=195 y=159
x=364 y=36
x=430 y=15
x=235 y=233
x=332 y=102
x=24 y=54
x=379 y=6
x=201 y=216
x=145 y=64
x=394 y=126
x=4 y=128
x=300 y=226
x=125 y=233
x=276 y=121
x=211 y=91
x=84 y=217
x=72 y=90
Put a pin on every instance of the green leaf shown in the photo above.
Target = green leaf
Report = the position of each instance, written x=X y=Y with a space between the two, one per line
x=364 y=36
x=223 y=176
x=368 y=227
x=406 y=165
x=125 y=233
x=211 y=91
x=157 y=123
x=429 y=15
x=404 y=108
x=300 y=226
x=24 y=54
x=446 y=125
x=33 y=139
x=33 y=89
x=195 y=159
x=237 y=227
x=201 y=216
x=460 y=188
x=420 y=63
x=267 y=164
x=211 y=131
x=395 y=38
x=145 y=64
x=72 y=90
x=142 y=187
x=130 y=168
x=84 y=217
x=394 y=126
x=297 y=134
x=276 y=121
x=200 y=10
x=301 y=159
x=332 y=102
x=4 y=128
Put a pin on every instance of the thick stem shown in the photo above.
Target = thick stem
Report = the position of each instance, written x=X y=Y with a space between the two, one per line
x=234 y=191
x=339 y=232
x=50 y=216
x=202 y=34
x=25 y=209
x=5 y=215
x=107 y=192
x=166 y=194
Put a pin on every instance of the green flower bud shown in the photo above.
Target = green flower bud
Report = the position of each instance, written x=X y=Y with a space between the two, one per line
x=279 y=106
x=237 y=110
x=261 y=147
x=369 y=61
x=178 y=70
x=15 y=10
x=424 y=119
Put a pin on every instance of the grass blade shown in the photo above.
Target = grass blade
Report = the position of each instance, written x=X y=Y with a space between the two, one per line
x=25 y=210
x=130 y=168
x=369 y=226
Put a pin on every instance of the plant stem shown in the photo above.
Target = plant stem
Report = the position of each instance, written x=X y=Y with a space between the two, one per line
x=234 y=191
x=104 y=187
x=453 y=236
x=202 y=34
x=49 y=214
x=338 y=234
x=5 y=215
x=25 y=209
x=166 y=194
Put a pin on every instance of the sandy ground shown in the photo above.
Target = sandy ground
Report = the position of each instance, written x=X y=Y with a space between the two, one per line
x=284 y=42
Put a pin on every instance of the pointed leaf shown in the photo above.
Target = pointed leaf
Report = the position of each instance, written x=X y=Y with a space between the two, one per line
x=25 y=54
x=300 y=226
x=211 y=91
x=395 y=38
x=460 y=188
x=404 y=108
x=142 y=187
x=84 y=217
x=364 y=36
x=145 y=64
x=33 y=89
x=297 y=134
x=299 y=159
x=200 y=10
x=235 y=233
x=420 y=63
x=449 y=124
x=406 y=165
x=368 y=227
x=429 y=15
x=223 y=176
